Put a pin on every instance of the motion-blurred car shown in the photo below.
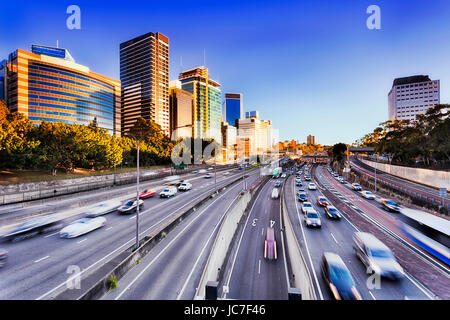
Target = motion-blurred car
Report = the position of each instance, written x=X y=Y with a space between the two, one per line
x=390 y=205
x=307 y=178
x=82 y=226
x=375 y=255
x=312 y=219
x=147 y=193
x=208 y=176
x=3 y=257
x=283 y=175
x=168 y=192
x=332 y=212
x=210 y=168
x=102 y=208
x=277 y=184
x=226 y=173
x=130 y=206
x=185 y=186
x=32 y=227
x=307 y=206
x=338 y=277
x=368 y=195
x=312 y=186
x=270 y=245
x=356 y=187
x=322 y=201
x=275 y=193
x=202 y=171
x=302 y=196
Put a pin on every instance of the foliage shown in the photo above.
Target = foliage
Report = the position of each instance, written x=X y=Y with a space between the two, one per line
x=337 y=152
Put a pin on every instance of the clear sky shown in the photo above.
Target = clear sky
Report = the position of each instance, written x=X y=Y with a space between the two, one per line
x=312 y=67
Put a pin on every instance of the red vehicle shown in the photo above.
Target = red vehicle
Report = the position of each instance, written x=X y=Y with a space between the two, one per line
x=322 y=201
x=147 y=193
x=270 y=245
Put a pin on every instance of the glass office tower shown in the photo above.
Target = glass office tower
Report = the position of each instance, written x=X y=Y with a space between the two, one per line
x=234 y=109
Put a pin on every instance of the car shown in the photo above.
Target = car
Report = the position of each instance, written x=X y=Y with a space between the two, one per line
x=312 y=186
x=307 y=178
x=299 y=183
x=275 y=193
x=32 y=228
x=130 y=206
x=277 y=184
x=147 y=193
x=202 y=171
x=368 y=195
x=82 y=226
x=302 y=196
x=343 y=181
x=376 y=256
x=332 y=212
x=312 y=219
x=270 y=245
x=390 y=205
x=208 y=176
x=322 y=201
x=356 y=187
x=102 y=208
x=338 y=277
x=226 y=173
x=307 y=206
x=185 y=186
x=210 y=168
x=3 y=257
x=179 y=183
x=195 y=171
x=168 y=192
x=283 y=175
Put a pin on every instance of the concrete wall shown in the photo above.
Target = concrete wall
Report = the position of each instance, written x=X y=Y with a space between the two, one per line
x=432 y=178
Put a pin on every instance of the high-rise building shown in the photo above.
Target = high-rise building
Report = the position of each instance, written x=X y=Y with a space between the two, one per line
x=207 y=102
x=234 y=108
x=411 y=96
x=47 y=84
x=181 y=115
x=252 y=114
x=144 y=73
x=229 y=135
x=310 y=140
x=258 y=134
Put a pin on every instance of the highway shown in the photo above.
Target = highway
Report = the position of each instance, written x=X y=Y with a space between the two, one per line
x=247 y=274
x=421 y=275
x=173 y=268
x=37 y=268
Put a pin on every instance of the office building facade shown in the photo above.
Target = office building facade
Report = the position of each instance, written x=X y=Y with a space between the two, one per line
x=181 y=111
x=144 y=74
x=257 y=134
x=310 y=140
x=234 y=108
x=207 y=103
x=47 y=84
x=411 y=96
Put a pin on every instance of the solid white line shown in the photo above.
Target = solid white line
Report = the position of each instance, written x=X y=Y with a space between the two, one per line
x=372 y=295
x=167 y=246
x=41 y=259
x=52 y=234
x=307 y=251
x=284 y=251
x=108 y=229
x=333 y=237
x=259 y=266
x=82 y=240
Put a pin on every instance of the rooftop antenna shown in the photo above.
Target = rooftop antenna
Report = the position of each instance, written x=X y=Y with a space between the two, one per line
x=57 y=44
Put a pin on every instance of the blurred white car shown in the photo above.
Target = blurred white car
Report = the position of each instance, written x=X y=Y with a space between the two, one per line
x=312 y=219
x=185 y=186
x=82 y=226
x=275 y=193
x=368 y=195
x=312 y=186
x=283 y=175
x=168 y=192
x=307 y=206
x=102 y=208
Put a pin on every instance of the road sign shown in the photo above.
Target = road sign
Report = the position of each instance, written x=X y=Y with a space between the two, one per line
x=442 y=192
x=179 y=167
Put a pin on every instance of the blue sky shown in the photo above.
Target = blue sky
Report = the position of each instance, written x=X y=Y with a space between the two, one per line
x=312 y=67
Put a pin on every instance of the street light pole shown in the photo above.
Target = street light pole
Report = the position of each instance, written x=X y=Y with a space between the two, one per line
x=376 y=160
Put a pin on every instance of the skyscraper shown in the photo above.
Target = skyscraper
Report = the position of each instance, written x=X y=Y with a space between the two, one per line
x=207 y=102
x=47 y=84
x=258 y=134
x=310 y=140
x=234 y=108
x=144 y=73
x=411 y=96
x=181 y=111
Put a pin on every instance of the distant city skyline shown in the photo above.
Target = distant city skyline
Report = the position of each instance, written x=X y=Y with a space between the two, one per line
x=306 y=68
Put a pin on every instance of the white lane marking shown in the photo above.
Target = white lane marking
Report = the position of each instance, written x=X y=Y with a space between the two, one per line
x=333 y=237
x=108 y=229
x=373 y=297
x=284 y=251
x=309 y=254
x=41 y=259
x=52 y=234
x=204 y=247
x=259 y=266
x=239 y=244
x=81 y=241
x=168 y=246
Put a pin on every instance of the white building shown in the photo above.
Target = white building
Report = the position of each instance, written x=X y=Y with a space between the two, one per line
x=412 y=96
x=258 y=133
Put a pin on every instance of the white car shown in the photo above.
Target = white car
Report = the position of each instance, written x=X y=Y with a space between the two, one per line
x=202 y=171
x=82 y=226
x=368 y=195
x=312 y=186
x=168 y=192
x=226 y=173
x=275 y=193
x=185 y=186
x=208 y=176
x=102 y=208
x=312 y=219
x=307 y=206
x=283 y=175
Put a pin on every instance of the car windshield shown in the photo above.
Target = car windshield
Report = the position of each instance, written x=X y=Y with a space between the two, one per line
x=333 y=210
x=368 y=192
x=380 y=253
x=322 y=199
x=341 y=276
x=166 y=190
x=312 y=215
x=129 y=203
x=147 y=190
x=393 y=203
x=307 y=205
x=356 y=185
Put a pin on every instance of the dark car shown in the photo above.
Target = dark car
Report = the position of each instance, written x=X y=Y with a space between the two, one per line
x=338 y=277
x=130 y=206
x=3 y=257
x=390 y=205
x=278 y=184
x=332 y=212
x=270 y=245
